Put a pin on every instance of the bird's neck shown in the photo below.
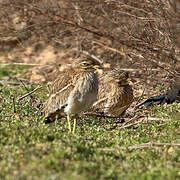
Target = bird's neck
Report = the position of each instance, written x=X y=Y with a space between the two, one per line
x=84 y=71
x=116 y=89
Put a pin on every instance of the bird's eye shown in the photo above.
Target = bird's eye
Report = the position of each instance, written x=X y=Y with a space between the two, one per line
x=85 y=64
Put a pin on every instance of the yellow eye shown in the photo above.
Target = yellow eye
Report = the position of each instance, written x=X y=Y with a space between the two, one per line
x=85 y=64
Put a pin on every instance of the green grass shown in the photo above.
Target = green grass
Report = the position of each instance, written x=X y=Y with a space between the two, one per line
x=30 y=149
x=11 y=70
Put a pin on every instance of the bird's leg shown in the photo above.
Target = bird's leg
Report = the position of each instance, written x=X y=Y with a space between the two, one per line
x=74 y=125
x=69 y=123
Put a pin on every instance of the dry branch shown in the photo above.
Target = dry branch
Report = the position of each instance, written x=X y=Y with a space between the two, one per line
x=130 y=125
x=142 y=37
x=150 y=144
x=132 y=119
x=28 y=94
x=156 y=119
x=109 y=48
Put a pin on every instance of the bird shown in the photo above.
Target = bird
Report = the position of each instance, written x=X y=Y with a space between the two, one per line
x=172 y=95
x=173 y=92
x=115 y=94
x=74 y=90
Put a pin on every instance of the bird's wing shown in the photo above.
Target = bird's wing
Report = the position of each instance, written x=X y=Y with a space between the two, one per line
x=102 y=97
x=59 y=94
x=123 y=99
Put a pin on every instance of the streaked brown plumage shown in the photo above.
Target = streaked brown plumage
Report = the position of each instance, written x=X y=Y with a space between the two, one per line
x=115 y=94
x=75 y=90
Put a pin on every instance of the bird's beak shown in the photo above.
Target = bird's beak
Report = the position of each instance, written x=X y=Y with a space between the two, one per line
x=129 y=80
x=97 y=67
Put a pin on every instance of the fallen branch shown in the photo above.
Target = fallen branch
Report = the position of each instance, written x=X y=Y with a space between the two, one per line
x=129 y=125
x=151 y=144
x=133 y=118
x=141 y=103
x=156 y=119
x=141 y=146
x=28 y=94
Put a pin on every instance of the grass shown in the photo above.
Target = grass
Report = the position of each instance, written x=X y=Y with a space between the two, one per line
x=30 y=149
x=11 y=70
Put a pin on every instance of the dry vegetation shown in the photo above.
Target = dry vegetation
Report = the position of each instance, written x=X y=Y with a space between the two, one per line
x=141 y=36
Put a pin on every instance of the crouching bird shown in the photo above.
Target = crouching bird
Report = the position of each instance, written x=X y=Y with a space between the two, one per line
x=115 y=94
x=74 y=91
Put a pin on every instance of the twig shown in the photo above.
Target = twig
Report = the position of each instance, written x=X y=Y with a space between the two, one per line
x=150 y=144
x=23 y=85
x=28 y=94
x=87 y=53
x=133 y=118
x=156 y=119
x=141 y=103
x=109 y=48
x=145 y=120
x=138 y=17
x=58 y=18
x=152 y=61
x=131 y=7
x=129 y=125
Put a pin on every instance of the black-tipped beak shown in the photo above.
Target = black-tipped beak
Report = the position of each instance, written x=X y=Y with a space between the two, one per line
x=97 y=67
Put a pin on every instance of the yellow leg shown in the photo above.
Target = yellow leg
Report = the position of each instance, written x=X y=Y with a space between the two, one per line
x=74 y=126
x=69 y=123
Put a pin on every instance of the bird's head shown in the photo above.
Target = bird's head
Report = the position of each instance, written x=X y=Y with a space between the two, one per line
x=87 y=64
x=118 y=76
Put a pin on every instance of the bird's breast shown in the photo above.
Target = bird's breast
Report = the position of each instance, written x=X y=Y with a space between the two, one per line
x=84 y=94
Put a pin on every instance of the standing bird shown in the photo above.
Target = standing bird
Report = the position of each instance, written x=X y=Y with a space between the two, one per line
x=115 y=94
x=74 y=90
